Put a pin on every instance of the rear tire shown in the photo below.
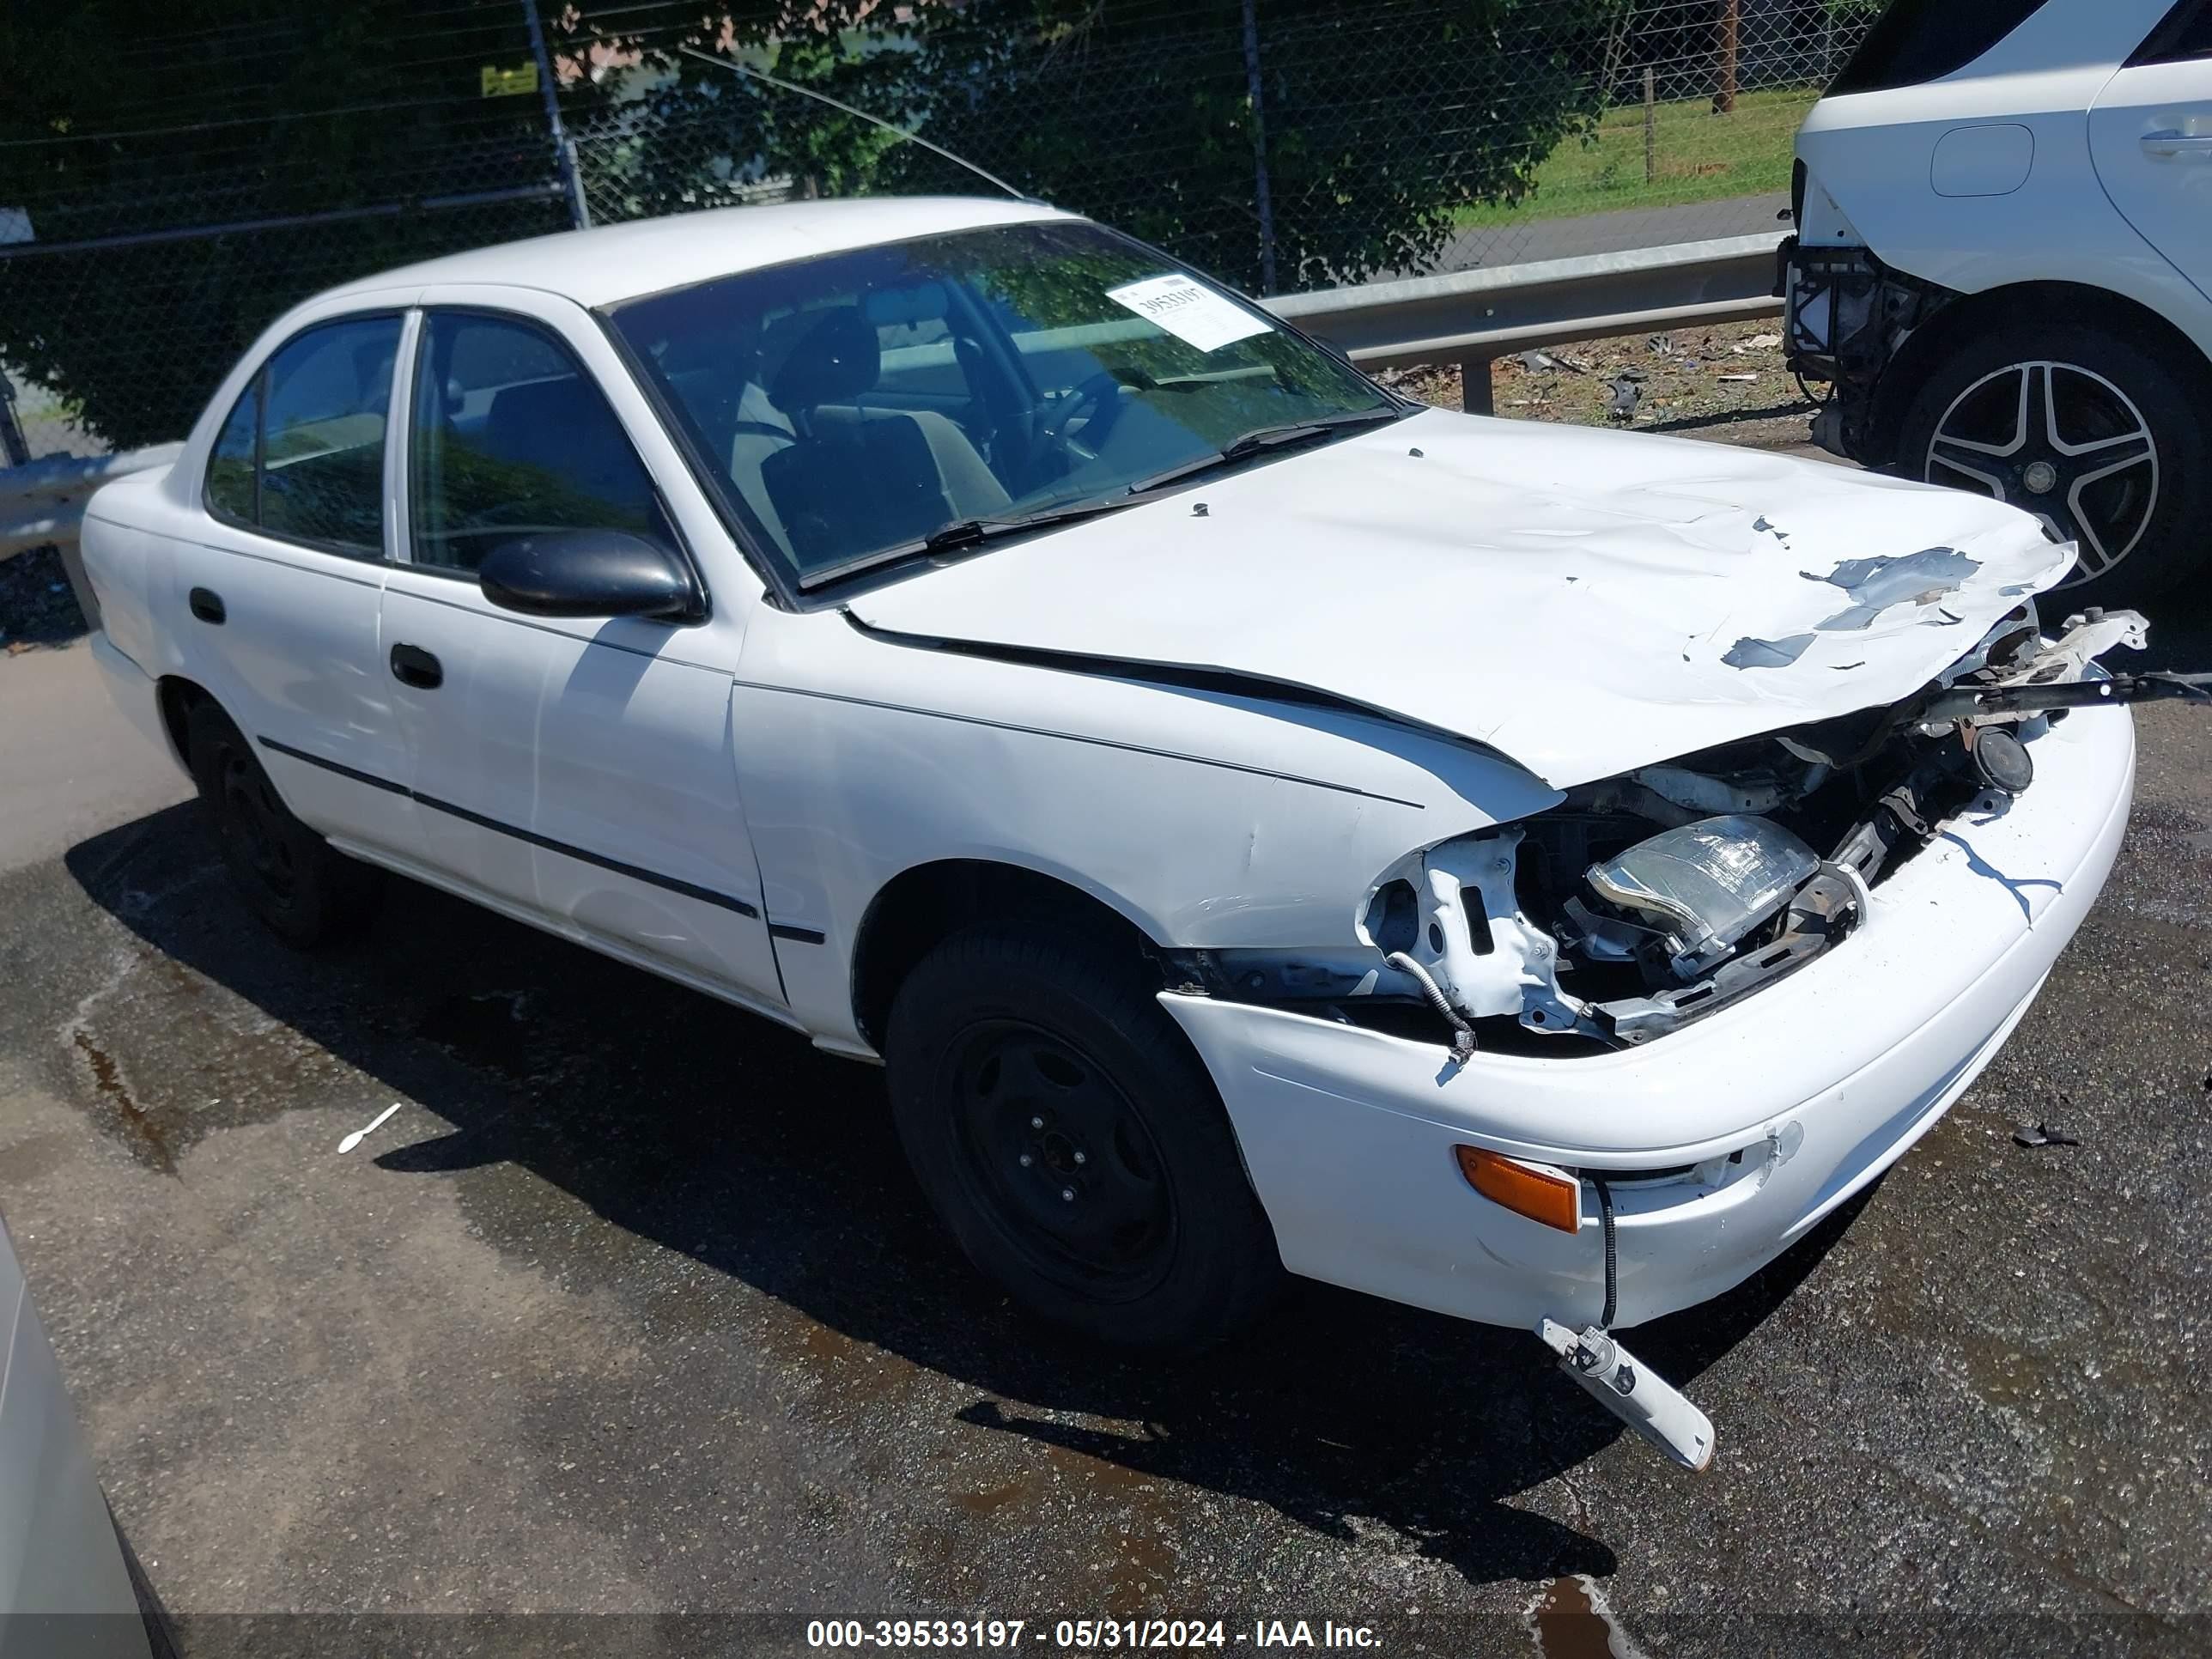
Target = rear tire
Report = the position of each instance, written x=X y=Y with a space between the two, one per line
x=1067 y=1136
x=2129 y=475
x=303 y=891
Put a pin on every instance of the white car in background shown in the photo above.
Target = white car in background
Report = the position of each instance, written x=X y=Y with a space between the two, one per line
x=1530 y=872
x=2003 y=267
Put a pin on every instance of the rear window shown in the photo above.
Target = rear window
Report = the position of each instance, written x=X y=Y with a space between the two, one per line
x=1917 y=41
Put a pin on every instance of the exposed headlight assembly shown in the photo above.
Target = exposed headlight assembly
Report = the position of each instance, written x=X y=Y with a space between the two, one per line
x=1705 y=887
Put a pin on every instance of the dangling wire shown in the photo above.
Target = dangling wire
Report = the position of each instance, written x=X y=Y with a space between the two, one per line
x=1612 y=1262
x=750 y=73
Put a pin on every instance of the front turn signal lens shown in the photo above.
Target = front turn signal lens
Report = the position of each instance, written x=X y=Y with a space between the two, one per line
x=1537 y=1191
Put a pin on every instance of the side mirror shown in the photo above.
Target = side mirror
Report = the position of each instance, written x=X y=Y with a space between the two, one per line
x=588 y=573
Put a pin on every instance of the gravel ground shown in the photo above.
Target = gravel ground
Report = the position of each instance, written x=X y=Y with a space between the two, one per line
x=1728 y=383
x=37 y=606
x=629 y=1333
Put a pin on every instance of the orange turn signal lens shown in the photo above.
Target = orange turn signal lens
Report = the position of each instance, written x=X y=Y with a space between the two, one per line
x=1535 y=1190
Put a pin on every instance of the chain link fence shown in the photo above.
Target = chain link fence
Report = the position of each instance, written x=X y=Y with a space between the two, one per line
x=1282 y=146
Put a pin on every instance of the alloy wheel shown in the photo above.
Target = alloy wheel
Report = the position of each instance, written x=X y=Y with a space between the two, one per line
x=2060 y=441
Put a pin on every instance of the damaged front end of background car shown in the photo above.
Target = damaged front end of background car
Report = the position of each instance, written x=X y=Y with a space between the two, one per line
x=1646 y=902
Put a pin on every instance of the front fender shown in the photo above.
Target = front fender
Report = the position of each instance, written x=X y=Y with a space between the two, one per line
x=1209 y=819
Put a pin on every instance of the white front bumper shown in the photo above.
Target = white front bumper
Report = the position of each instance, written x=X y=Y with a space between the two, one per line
x=1820 y=1082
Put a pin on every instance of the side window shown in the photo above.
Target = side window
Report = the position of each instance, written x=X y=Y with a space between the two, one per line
x=2186 y=34
x=512 y=435
x=301 y=456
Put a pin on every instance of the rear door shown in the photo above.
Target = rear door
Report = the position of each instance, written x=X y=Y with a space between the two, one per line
x=582 y=769
x=278 y=598
x=2151 y=135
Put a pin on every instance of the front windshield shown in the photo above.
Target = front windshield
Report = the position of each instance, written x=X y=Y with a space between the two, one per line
x=853 y=406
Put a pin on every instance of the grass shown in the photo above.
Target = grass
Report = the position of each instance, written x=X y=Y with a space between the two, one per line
x=1700 y=157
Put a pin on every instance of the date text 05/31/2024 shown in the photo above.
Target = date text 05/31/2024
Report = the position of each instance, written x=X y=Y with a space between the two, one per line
x=1084 y=1635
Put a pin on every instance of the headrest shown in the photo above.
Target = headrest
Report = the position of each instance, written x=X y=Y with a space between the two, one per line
x=521 y=414
x=820 y=357
x=896 y=307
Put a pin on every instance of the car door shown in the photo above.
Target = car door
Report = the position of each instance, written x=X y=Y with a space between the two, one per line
x=579 y=770
x=2151 y=135
x=277 y=599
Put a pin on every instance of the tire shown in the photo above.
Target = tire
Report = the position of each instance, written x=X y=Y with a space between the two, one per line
x=160 y=1630
x=1132 y=1222
x=2140 y=526
x=303 y=891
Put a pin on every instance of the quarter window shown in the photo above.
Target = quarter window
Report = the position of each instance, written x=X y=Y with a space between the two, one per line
x=234 y=490
x=301 y=456
x=1920 y=40
x=2186 y=34
x=512 y=436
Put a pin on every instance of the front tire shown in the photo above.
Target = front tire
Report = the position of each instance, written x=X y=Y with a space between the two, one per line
x=303 y=891
x=1066 y=1135
x=2092 y=432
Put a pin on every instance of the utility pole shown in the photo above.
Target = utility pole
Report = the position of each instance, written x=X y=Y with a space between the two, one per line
x=564 y=147
x=1261 y=197
x=1731 y=32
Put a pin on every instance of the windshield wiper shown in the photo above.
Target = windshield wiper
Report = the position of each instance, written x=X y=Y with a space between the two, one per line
x=1264 y=440
x=969 y=532
x=962 y=533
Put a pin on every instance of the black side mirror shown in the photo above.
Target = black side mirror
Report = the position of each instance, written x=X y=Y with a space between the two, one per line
x=588 y=573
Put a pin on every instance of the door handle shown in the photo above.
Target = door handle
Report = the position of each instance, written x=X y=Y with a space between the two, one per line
x=413 y=665
x=2192 y=144
x=207 y=605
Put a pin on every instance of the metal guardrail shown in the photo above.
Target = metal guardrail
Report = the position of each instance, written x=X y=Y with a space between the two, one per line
x=1469 y=317
x=45 y=501
x=1474 y=317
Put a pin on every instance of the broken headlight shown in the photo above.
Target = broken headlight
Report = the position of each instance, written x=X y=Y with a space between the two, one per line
x=1701 y=889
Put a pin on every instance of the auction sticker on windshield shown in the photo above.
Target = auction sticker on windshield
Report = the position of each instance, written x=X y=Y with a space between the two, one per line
x=1189 y=311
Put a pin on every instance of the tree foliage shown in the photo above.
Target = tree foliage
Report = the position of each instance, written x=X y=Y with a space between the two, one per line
x=135 y=120
x=359 y=127
x=1380 y=120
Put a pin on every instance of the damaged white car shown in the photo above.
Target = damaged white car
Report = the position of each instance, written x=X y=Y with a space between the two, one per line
x=1261 y=824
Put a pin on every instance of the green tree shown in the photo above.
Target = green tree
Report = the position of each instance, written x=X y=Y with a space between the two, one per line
x=1380 y=120
x=283 y=148
x=136 y=119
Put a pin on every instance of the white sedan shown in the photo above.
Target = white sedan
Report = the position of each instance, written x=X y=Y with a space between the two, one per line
x=1528 y=872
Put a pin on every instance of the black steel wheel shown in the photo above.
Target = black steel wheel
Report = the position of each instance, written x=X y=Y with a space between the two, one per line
x=1054 y=1156
x=1065 y=1133
x=2092 y=434
x=288 y=875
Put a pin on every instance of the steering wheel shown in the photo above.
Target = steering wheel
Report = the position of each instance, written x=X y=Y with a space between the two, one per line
x=1100 y=395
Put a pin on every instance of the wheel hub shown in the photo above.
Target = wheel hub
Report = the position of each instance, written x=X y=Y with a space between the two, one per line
x=1060 y=1161
x=2041 y=477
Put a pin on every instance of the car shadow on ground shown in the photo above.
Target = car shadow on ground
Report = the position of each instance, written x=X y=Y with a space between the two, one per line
x=719 y=1135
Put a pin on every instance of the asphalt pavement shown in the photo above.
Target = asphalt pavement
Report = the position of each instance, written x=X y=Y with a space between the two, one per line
x=628 y=1331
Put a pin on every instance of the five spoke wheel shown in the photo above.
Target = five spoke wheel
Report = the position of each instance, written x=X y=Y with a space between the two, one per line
x=2058 y=440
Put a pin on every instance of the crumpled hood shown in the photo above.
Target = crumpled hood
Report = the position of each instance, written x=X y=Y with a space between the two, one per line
x=1585 y=602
